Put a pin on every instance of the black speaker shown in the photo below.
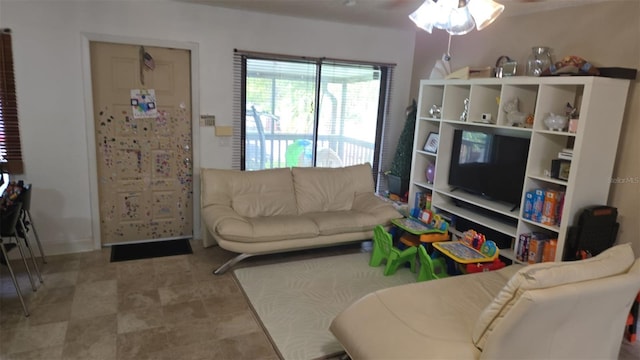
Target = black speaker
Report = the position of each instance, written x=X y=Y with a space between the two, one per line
x=595 y=232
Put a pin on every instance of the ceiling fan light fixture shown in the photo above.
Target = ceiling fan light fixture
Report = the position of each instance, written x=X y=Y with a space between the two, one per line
x=458 y=17
x=424 y=15
x=484 y=12
x=460 y=21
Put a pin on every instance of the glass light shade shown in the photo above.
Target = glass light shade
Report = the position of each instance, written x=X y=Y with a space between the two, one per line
x=423 y=17
x=431 y=14
x=458 y=17
x=460 y=21
x=484 y=12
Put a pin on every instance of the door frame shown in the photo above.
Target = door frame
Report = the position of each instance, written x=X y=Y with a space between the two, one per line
x=87 y=38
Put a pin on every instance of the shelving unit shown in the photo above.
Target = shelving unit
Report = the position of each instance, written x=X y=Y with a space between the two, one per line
x=600 y=102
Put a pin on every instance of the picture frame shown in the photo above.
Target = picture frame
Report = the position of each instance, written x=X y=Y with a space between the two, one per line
x=431 y=145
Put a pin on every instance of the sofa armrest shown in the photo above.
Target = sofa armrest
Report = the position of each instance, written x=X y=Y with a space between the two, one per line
x=213 y=215
x=369 y=203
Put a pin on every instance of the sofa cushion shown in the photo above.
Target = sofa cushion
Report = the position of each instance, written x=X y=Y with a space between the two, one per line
x=613 y=261
x=330 y=189
x=337 y=222
x=360 y=178
x=424 y=320
x=370 y=204
x=250 y=193
x=262 y=229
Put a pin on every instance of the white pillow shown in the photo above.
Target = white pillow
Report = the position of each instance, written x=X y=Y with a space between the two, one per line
x=613 y=261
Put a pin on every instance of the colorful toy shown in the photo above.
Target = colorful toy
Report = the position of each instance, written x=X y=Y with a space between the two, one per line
x=473 y=239
x=489 y=248
x=571 y=65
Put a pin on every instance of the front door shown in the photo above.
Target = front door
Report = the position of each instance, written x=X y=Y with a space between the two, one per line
x=142 y=114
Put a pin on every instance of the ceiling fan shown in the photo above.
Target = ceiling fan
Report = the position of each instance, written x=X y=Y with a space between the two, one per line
x=402 y=3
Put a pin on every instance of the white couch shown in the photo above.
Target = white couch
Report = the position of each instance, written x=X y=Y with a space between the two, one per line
x=561 y=310
x=267 y=211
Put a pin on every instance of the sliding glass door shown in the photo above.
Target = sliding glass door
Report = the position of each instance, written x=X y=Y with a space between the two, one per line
x=311 y=113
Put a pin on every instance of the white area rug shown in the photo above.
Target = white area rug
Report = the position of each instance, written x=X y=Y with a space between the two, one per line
x=296 y=301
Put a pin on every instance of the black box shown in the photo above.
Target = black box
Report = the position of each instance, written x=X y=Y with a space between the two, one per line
x=397 y=185
x=560 y=169
x=618 y=72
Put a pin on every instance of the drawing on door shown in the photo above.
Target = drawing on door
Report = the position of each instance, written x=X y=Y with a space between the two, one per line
x=145 y=185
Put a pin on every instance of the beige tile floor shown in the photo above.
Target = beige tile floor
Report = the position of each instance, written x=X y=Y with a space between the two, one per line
x=162 y=308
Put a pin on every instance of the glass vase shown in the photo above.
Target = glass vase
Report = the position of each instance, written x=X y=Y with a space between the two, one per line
x=538 y=61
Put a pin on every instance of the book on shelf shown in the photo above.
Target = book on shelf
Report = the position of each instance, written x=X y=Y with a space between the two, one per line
x=422 y=200
x=565 y=156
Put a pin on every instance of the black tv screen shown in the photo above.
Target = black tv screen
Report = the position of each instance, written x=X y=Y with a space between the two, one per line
x=489 y=165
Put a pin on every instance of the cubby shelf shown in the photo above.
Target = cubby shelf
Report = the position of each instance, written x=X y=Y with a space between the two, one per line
x=596 y=99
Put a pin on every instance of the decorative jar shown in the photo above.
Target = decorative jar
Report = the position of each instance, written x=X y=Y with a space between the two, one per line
x=538 y=61
x=556 y=122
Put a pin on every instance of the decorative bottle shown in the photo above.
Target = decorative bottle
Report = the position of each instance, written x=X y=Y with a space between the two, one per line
x=539 y=60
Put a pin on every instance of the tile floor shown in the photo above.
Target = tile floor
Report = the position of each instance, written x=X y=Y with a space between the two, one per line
x=162 y=308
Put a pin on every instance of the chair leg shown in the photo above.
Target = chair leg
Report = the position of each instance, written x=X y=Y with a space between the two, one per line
x=15 y=281
x=376 y=257
x=26 y=266
x=35 y=233
x=393 y=262
x=33 y=258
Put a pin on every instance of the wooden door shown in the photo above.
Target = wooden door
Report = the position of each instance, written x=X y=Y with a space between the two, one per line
x=143 y=144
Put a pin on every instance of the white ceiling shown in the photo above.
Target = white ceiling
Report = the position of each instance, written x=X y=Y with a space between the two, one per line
x=387 y=13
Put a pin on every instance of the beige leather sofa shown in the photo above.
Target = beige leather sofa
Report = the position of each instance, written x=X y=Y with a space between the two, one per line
x=267 y=211
x=562 y=310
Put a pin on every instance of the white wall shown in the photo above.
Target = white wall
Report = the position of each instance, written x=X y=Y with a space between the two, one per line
x=47 y=44
x=606 y=34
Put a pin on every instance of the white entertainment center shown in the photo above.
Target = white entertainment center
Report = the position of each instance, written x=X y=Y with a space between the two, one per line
x=600 y=104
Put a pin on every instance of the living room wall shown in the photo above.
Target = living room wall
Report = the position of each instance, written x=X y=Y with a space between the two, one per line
x=48 y=49
x=605 y=34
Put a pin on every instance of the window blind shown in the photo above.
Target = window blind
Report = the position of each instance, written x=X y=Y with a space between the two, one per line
x=10 y=147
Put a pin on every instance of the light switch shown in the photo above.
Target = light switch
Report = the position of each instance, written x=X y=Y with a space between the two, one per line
x=224 y=130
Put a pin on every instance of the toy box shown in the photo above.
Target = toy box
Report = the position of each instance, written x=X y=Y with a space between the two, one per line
x=550 y=207
x=549 y=252
x=538 y=205
x=528 y=205
x=536 y=249
x=522 y=252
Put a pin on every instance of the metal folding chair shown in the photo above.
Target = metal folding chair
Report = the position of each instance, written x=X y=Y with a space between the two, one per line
x=8 y=223
x=27 y=220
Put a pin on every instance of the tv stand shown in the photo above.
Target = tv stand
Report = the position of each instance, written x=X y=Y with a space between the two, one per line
x=594 y=98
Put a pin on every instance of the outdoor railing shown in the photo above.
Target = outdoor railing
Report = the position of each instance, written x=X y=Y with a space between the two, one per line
x=271 y=152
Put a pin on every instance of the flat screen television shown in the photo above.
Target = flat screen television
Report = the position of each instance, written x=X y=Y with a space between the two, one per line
x=489 y=165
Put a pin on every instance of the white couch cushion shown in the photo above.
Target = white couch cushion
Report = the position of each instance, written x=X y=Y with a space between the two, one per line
x=250 y=193
x=326 y=189
x=267 y=228
x=613 y=261
x=337 y=222
x=425 y=320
